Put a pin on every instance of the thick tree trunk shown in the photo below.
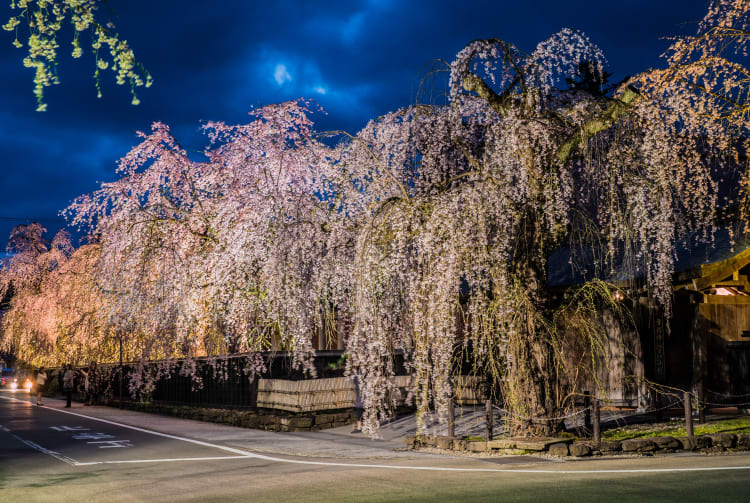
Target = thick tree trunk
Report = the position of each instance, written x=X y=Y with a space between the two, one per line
x=532 y=380
x=533 y=376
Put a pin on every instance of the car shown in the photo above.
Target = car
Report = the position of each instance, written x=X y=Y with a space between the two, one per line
x=6 y=377
x=14 y=380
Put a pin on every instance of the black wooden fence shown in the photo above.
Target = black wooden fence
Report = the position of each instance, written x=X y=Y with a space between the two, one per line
x=216 y=382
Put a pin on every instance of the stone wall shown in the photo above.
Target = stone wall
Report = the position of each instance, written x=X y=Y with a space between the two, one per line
x=716 y=443
x=257 y=419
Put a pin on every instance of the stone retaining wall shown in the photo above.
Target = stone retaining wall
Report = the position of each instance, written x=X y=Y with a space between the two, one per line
x=262 y=420
x=560 y=447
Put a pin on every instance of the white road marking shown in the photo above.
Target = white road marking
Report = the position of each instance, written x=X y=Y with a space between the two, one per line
x=247 y=454
x=112 y=444
x=68 y=428
x=143 y=430
x=92 y=436
x=39 y=448
x=54 y=454
x=446 y=469
x=159 y=460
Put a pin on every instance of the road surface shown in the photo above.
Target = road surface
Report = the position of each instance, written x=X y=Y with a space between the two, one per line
x=92 y=454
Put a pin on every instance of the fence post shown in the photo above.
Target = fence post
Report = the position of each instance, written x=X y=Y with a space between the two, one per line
x=489 y=419
x=597 y=422
x=121 y=371
x=688 y=414
x=254 y=391
x=587 y=411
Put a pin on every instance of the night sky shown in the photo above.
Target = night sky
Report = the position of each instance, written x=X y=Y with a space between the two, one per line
x=216 y=60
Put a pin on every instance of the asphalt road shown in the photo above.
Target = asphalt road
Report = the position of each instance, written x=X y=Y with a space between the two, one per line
x=92 y=454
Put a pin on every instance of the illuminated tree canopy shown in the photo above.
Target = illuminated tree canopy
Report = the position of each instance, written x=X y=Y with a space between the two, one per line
x=428 y=232
x=44 y=19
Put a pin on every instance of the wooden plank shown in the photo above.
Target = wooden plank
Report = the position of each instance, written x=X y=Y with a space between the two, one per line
x=726 y=299
x=319 y=394
x=730 y=282
x=713 y=273
x=726 y=321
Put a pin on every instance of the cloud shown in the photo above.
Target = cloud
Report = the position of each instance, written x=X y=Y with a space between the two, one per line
x=277 y=75
x=349 y=25
x=294 y=75
x=48 y=170
x=281 y=75
x=357 y=59
x=352 y=27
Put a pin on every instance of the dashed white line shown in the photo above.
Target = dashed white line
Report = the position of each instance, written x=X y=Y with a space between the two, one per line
x=246 y=454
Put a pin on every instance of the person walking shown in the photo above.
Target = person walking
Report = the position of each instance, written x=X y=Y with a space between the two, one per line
x=41 y=380
x=68 y=378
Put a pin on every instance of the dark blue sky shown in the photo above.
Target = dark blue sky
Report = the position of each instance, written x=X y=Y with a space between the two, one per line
x=215 y=60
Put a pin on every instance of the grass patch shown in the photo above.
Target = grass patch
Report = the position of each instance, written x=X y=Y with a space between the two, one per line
x=676 y=428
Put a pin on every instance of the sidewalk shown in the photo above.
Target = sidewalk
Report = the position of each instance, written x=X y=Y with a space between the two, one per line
x=332 y=443
x=335 y=442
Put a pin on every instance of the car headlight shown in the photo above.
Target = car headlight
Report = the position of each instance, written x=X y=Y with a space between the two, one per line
x=13 y=385
x=27 y=384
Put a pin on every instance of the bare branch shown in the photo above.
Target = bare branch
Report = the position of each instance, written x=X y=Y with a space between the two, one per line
x=616 y=110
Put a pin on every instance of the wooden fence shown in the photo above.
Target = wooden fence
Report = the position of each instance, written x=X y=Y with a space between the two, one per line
x=340 y=393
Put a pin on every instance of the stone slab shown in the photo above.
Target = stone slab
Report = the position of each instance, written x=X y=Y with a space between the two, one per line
x=667 y=443
x=526 y=444
x=559 y=449
x=694 y=443
x=609 y=446
x=743 y=442
x=579 y=450
x=723 y=440
x=638 y=445
x=479 y=446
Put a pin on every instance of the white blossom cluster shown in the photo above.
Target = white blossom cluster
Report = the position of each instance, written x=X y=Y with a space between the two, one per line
x=426 y=234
